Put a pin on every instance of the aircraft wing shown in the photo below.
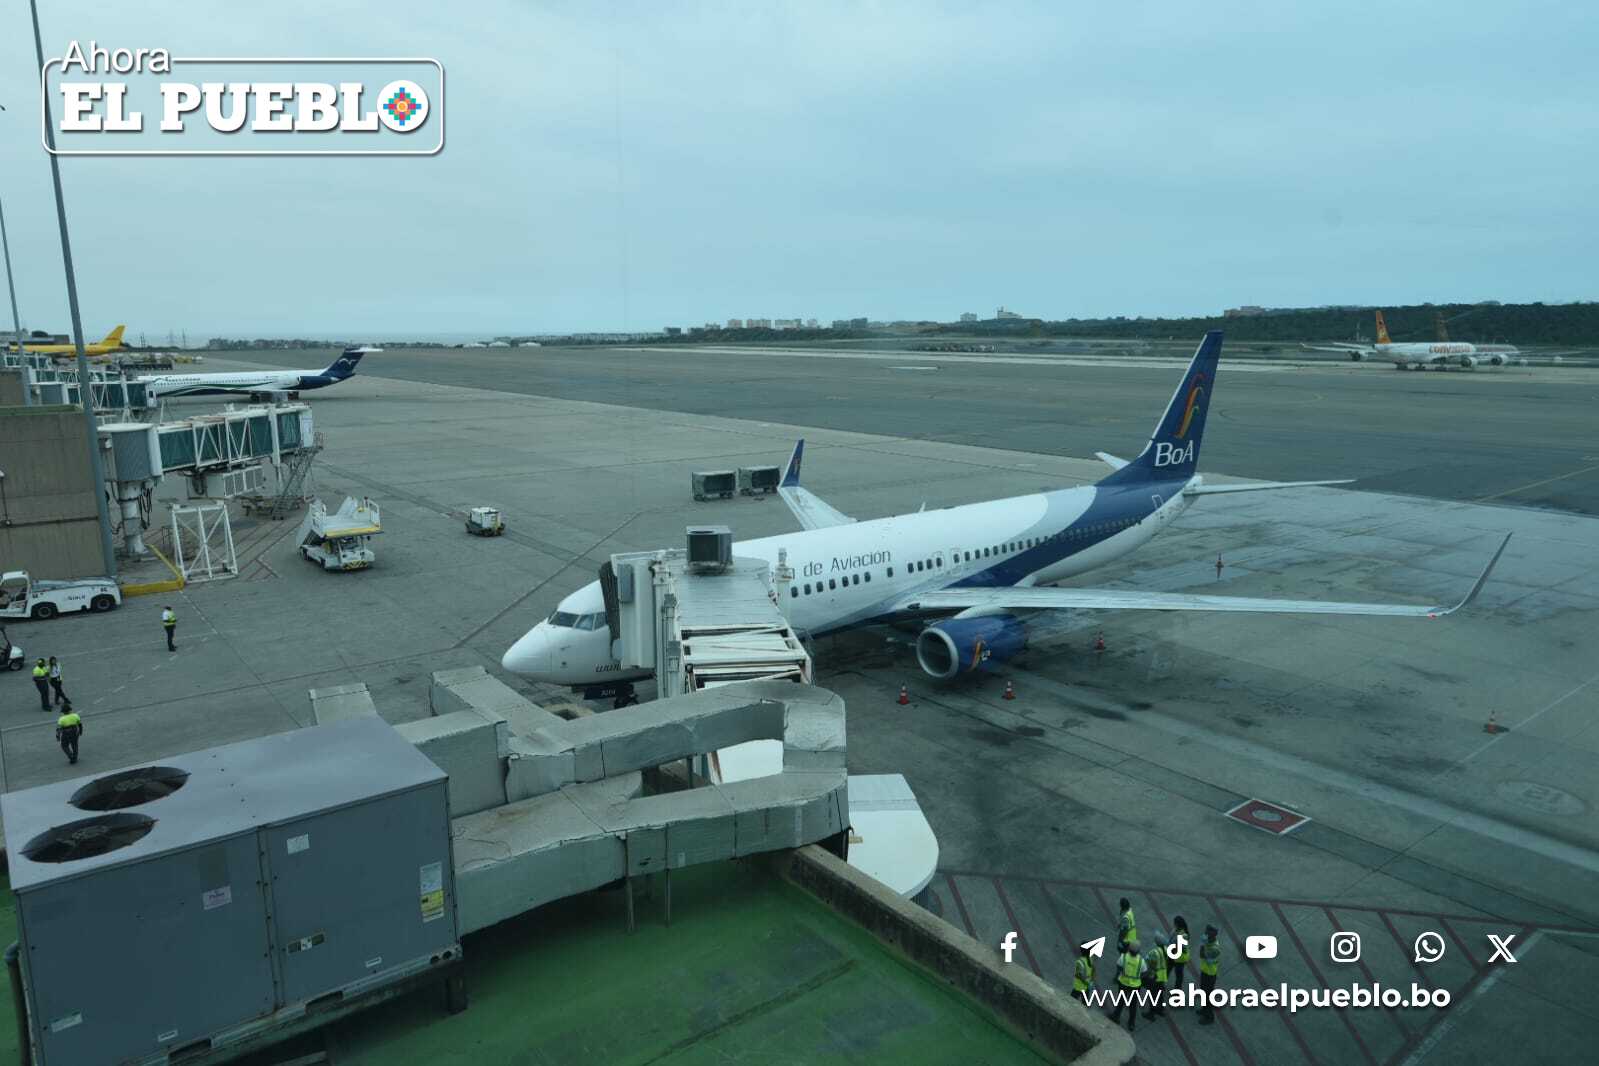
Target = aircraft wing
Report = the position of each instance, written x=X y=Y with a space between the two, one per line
x=1259 y=486
x=810 y=509
x=1334 y=346
x=1046 y=598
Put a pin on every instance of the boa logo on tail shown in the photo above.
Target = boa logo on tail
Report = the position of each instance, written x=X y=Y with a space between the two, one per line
x=1194 y=393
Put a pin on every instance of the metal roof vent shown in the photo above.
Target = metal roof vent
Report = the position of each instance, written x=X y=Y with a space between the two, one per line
x=129 y=788
x=88 y=838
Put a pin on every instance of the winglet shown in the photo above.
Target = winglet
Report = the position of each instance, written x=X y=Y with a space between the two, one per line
x=1482 y=578
x=1110 y=460
x=791 y=472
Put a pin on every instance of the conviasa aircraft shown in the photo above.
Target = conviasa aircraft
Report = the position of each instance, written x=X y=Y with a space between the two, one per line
x=258 y=384
x=978 y=564
x=111 y=343
x=1423 y=353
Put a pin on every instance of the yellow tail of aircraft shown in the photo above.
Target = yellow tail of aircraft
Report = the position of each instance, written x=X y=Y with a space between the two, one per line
x=111 y=343
x=1382 y=330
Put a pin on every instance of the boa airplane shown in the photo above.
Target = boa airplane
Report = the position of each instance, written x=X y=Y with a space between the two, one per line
x=257 y=384
x=977 y=565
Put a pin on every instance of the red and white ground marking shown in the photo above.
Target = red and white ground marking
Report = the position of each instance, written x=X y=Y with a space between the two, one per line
x=1258 y=814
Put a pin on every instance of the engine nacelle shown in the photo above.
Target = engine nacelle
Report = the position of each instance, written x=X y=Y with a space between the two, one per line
x=1496 y=360
x=960 y=645
x=1468 y=360
x=1356 y=357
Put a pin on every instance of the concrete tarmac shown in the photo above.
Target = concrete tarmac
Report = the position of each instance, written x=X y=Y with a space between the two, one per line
x=1515 y=434
x=1111 y=773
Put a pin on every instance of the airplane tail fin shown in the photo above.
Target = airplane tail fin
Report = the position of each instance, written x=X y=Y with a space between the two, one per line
x=114 y=338
x=344 y=365
x=1173 y=449
x=1382 y=330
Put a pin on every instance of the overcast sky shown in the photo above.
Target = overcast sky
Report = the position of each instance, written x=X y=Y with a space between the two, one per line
x=634 y=165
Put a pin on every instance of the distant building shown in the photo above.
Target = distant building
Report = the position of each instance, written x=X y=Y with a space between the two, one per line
x=674 y=331
x=735 y=323
x=967 y=316
x=1001 y=313
x=849 y=323
x=1246 y=311
x=758 y=323
x=810 y=323
x=785 y=323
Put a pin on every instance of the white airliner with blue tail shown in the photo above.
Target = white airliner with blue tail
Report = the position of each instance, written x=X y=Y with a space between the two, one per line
x=979 y=568
x=257 y=383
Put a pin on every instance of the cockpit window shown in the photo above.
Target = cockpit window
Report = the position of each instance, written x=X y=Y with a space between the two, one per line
x=563 y=619
x=591 y=621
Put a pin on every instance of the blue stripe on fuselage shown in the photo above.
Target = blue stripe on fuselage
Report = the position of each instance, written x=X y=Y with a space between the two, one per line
x=1111 y=504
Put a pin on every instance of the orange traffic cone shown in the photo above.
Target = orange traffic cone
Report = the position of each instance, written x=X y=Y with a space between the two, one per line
x=904 y=695
x=1492 y=726
x=1099 y=642
x=1010 y=691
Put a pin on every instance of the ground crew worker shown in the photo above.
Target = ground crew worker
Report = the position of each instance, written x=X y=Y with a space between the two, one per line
x=1127 y=925
x=1209 y=968
x=69 y=727
x=1082 y=976
x=1155 y=961
x=169 y=622
x=1180 y=933
x=41 y=681
x=55 y=680
x=1130 y=976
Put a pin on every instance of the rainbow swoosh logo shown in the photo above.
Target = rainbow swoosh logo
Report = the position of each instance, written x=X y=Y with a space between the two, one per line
x=1195 y=391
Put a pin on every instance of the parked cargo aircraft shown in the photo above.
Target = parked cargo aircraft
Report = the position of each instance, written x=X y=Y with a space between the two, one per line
x=257 y=384
x=981 y=565
x=111 y=343
x=1417 y=354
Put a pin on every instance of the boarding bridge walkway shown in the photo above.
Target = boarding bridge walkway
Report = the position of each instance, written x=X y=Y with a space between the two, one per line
x=698 y=626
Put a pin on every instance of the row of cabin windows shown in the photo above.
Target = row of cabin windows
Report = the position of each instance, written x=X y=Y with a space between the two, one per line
x=937 y=562
x=833 y=583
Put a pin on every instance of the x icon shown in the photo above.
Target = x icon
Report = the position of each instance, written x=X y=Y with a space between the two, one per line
x=1501 y=948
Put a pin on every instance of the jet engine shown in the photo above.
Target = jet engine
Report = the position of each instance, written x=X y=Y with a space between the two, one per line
x=1496 y=360
x=960 y=645
x=1468 y=360
x=1356 y=356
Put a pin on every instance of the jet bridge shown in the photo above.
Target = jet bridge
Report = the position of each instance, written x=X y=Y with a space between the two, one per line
x=221 y=454
x=700 y=618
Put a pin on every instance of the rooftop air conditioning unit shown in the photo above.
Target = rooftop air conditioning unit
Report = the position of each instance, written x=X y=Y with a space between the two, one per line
x=710 y=548
x=167 y=912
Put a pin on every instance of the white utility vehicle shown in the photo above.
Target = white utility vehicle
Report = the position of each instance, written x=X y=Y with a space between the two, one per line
x=341 y=540
x=484 y=522
x=23 y=597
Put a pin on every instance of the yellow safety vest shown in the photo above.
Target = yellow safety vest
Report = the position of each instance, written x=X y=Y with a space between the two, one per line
x=40 y=673
x=1130 y=964
x=1210 y=958
x=1183 y=958
x=1083 y=976
x=69 y=720
x=1128 y=927
x=1157 y=963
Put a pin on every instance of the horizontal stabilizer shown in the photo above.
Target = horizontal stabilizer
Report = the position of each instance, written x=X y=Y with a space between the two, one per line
x=811 y=510
x=1110 y=460
x=1258 y=486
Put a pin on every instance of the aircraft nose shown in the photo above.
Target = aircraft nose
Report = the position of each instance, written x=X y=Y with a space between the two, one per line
x=530 y=654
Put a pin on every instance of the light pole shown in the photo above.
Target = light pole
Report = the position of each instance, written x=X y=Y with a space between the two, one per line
x=5 y=245
x=85 y=386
